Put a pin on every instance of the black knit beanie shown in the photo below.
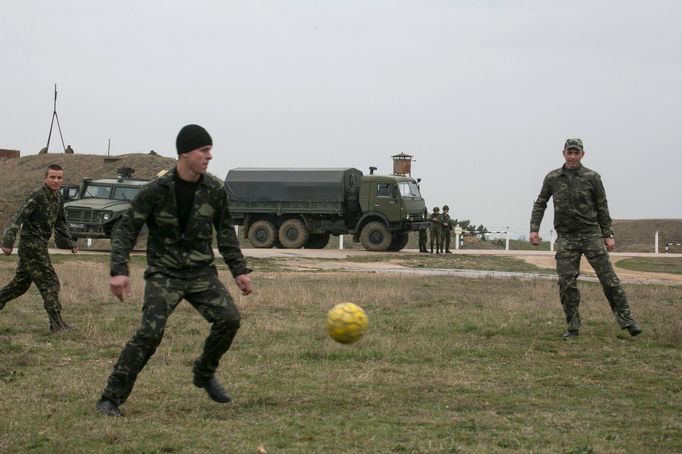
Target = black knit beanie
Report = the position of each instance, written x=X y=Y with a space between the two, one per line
x=192 y=137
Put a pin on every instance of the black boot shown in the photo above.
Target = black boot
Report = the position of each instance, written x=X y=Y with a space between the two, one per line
x=570 y=334
x=633 y=329
x=108 y=408
x=213 y=387
x=56 y=322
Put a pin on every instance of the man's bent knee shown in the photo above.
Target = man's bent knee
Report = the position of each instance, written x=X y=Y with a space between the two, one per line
x=148 y=336
x=231 y=324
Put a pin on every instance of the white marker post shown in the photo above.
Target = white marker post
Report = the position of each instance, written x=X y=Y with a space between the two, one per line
x=458 y=232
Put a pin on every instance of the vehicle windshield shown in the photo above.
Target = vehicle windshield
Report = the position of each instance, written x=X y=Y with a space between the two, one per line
x=98 y=191
x=69 y=192
x=409 y=189
x=124 y=193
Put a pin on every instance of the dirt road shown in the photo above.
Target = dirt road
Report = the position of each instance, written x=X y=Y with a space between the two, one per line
x=305 y=258
x=333 y=259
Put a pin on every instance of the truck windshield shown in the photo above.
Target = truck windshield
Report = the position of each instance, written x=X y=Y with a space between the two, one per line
x=97 y=191
x=69 y=192
x=409 y=189
x=123 y=193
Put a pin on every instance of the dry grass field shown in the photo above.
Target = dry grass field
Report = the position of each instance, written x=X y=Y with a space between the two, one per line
x=448 y=365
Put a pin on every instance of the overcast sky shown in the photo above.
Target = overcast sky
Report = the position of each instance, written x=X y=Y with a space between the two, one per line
x=481 y=93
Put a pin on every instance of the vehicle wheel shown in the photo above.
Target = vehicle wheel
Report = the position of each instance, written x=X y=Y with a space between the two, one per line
x=262 y=234
x=399 y=241
x=375 y=237
x=293 y=234
x=317 y=241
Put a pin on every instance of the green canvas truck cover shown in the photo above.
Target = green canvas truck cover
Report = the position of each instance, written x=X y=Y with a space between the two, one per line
x=338 y=185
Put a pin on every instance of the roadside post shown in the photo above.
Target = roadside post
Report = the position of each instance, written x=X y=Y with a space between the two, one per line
x=458 y=236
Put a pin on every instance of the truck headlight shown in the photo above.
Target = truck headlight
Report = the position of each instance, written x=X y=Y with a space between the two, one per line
x=106 y=216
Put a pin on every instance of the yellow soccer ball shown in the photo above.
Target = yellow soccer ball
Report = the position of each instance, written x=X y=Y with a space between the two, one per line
x=346 y=323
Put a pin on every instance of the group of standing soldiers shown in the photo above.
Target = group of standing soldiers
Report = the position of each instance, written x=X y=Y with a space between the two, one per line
x=441 y=228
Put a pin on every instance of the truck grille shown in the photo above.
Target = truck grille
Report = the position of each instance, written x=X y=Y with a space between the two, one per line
x=84 y=222
x=81 y=215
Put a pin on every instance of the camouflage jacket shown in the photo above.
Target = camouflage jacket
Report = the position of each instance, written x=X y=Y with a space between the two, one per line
x=170 y=251
x=445 y=221
x=42 y=212
x=580 y=204
x=435 y=222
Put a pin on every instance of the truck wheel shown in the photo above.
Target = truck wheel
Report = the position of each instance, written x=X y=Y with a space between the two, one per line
x=375 y=237
x=262 y=234
x=293 y=234
x=399 y=241
x=317 y=241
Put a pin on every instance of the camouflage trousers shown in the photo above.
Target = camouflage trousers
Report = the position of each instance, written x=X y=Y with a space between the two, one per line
x=435 y=238
x=445 y=240
x=422 y=240
x=162 y=294
x=570 y=248
x=34 y=267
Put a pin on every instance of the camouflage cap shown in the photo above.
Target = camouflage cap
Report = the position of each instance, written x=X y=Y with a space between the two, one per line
x=446 y=208
x=573 y=143
x=436 y=209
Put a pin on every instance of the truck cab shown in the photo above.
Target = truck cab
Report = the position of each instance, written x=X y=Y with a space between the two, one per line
x=392 y=206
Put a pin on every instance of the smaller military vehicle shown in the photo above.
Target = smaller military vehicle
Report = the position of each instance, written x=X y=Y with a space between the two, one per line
x=100 y=205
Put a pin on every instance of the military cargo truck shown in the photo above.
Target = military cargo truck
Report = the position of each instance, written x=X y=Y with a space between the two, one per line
x=100 y=205
x=294 y=208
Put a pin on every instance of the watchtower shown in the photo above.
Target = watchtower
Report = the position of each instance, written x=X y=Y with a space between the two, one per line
x=402 y=164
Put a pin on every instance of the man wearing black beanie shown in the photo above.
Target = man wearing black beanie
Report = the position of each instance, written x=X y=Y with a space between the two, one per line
x=181 y=209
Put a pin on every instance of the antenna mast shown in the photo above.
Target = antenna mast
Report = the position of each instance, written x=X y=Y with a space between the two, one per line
x=55 y=117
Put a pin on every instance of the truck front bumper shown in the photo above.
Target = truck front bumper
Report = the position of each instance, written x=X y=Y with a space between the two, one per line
x=422 y=225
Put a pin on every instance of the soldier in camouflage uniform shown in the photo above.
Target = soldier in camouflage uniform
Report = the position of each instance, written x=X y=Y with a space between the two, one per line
x=181 y=209
x=436 y=229
x=446 y=230
x=42 y=213
x=583 y=226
